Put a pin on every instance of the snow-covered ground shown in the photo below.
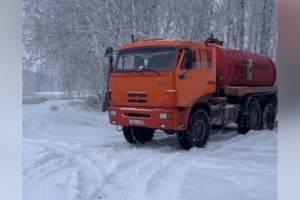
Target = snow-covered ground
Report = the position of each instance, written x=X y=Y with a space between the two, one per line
x=72 y=154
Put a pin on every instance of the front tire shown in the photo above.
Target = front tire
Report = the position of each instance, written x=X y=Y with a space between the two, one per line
x=169 y=132
x=184 y=140
x=138 y=134
x=198 y=131
x=128 y=135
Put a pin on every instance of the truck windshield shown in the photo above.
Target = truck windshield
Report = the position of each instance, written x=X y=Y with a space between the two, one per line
x=146 y=59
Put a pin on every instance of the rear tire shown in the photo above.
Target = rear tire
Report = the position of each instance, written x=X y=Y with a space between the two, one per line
x=269 y=116
x=243 y=124
x=198 y=131
x=255 y=116
x=138 y=134
x=251 y=121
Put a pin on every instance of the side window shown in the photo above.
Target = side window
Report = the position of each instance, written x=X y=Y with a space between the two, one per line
x=205 y=59
x=196 y=60
x=194 y=63
x=202 y=60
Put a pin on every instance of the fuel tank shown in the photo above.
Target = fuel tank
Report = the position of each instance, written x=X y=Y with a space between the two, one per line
x=230 y=68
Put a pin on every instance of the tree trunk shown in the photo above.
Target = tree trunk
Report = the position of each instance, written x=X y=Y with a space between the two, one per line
x=241 y=24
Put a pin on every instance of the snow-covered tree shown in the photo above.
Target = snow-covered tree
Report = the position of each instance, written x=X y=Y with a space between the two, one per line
x=69 y=37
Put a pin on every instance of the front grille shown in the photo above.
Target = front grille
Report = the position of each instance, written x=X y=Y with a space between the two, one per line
x=137 y=98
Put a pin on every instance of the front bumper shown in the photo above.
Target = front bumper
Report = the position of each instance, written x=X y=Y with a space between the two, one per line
x=145 y=117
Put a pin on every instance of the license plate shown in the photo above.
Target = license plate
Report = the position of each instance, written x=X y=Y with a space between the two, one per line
x=135 y=121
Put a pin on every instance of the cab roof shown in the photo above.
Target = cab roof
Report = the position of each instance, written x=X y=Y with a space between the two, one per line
x=163 y=42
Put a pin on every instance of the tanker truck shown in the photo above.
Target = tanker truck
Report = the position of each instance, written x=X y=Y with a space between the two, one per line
x=187 y=88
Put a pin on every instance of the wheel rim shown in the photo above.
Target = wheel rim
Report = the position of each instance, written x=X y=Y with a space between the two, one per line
x=198 y=130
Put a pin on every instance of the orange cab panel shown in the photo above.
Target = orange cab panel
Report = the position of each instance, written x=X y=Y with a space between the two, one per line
x=146 y=91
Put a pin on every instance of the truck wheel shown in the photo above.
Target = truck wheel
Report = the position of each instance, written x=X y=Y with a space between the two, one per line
x=142 y=135
x=251 y=121
x=199 y=129
x=169 y=132
x=268 y=118
x=184 y=140
x=198 y=133
x=243 y=124
x=128 y=134
x=138 y=134
x=255 y=116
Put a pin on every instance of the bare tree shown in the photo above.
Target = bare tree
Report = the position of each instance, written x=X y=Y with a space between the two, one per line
x=69 y=37
x=241 y=24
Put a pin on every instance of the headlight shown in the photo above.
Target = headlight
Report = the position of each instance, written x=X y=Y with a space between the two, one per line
x=112 y=113
x=165 y=115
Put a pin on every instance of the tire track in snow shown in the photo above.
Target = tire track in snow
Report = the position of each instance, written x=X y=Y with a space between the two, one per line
x=100 y=143
x=50 y=156
x=146 y=166
x=160 y=162
x=51 y=167
x=94 y=171
x=74 y=189
x=126 y=176
x=110 y=186
x=166 y=183
x=51 y=164
x=53 y=151
x=55 y=161
x=50 y=151
x=240 y=141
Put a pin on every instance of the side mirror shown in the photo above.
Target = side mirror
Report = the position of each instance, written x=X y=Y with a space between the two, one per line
x=111 y=60
x=189 y=59
x=108 y=51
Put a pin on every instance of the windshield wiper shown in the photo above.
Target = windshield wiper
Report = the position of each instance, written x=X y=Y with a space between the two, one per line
x=123 y=70
x=128 y=71
x=138 y=71
x=152 y=70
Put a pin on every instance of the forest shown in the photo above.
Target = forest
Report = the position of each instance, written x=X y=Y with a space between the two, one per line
x=64 y=41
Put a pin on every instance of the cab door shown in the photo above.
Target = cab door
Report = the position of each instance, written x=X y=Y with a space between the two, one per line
x=198 y=81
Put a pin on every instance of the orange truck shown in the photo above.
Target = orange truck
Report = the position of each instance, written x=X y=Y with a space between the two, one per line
x=188 y=88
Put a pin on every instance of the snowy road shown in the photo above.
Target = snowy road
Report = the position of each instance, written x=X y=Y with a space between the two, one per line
x=73 y=154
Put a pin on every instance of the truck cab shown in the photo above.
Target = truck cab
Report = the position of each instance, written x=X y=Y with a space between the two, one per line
x=154 y=83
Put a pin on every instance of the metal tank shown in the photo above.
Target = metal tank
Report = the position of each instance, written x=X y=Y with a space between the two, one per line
x=231 y=67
